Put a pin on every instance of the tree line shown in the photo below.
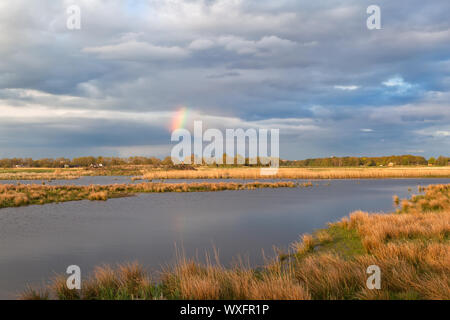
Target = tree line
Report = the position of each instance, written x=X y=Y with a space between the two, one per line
x=81 y=162
x=403 y=160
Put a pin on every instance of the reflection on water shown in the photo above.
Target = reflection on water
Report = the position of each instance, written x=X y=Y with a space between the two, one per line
x=37 y=241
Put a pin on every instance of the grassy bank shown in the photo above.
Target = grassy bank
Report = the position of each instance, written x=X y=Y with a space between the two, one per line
x=21 y=195
x=411 y=247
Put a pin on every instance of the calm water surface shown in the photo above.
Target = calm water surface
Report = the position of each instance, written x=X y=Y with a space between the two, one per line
x=37 y=241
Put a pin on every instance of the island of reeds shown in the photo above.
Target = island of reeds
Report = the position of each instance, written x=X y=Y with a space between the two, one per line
x=411 y=246
x=15 y=195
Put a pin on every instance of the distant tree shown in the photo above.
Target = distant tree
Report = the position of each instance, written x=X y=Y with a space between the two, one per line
x=442 y=161
x=167 y=161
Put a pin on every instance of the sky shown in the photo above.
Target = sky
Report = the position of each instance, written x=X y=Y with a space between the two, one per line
x=311 y=69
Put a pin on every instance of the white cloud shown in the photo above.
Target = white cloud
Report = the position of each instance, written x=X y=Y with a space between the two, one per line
x=399 y=83
x=265 y=46
x=201 y=44
x=347 y=88
x=72 y=108
x=34 y=113
x=442 y=133
x=437 y=132
x=231 y=16
x=138 y=50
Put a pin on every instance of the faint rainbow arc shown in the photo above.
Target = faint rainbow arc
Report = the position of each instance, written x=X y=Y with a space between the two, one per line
x=179 y=119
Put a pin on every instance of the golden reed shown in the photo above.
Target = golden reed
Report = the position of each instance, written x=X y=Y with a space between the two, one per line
x=302 y=173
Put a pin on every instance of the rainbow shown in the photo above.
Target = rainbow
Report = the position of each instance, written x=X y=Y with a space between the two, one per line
x=179 y=119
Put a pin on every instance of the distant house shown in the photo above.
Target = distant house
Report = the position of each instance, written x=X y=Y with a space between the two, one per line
x=19 y=166
x=94 y=165
x=391 y=164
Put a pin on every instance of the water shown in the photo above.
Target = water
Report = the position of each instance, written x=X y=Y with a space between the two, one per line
x=38 y=241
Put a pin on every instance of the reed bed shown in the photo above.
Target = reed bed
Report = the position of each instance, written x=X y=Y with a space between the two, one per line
x=146 y=173
x=47 y=174
x=301 y=173
x=20 y=195
x=44 y=176
x=411 y=247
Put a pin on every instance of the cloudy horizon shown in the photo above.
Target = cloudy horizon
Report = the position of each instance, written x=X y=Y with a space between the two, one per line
x=311 y=69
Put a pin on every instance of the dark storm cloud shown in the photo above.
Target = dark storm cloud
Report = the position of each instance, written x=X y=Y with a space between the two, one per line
x=381 y=91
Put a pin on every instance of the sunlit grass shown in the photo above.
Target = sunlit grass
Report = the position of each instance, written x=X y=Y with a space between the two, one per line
x=300 y=173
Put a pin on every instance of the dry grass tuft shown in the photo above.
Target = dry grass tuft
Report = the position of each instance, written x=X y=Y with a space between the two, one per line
x=306 y=244
x=191 y=280
x=101 y=195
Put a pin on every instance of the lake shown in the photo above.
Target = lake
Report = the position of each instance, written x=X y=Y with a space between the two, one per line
x=38 y=241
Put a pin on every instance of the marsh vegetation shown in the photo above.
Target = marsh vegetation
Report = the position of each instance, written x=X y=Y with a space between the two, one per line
x=20 y=194
x=147 y=172
x=302 y=173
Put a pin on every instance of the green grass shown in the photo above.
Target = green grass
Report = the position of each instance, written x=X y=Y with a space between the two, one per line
x=334 y=239
x=344 y=242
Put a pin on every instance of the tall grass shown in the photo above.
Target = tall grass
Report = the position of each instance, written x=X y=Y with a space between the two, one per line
x=55 y=174
x=301 y=173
